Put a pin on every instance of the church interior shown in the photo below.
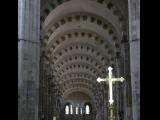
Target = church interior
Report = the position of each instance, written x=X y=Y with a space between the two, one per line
x=64 y=46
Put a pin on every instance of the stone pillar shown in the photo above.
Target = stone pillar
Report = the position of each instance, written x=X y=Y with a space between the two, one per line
x=50 y=117
x=134 y=40
x=105 y=102
x=28 y=58
x=41 y=88
x=126 y=97
x=47 y=93
x=127 y=87
x=52 y=99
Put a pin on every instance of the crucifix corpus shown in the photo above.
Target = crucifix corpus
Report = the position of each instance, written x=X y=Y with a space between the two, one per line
x=110 y=80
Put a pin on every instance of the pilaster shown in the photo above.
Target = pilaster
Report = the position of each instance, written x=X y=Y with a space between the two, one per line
x=134 y=40
x=28 y=59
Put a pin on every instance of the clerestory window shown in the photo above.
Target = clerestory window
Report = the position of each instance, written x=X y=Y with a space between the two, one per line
x=67 y=109
x=87 y=109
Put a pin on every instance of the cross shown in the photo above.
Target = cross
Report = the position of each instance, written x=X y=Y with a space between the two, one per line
x=110 y=80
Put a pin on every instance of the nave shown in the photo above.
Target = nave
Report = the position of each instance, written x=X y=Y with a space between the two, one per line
x=65 y=46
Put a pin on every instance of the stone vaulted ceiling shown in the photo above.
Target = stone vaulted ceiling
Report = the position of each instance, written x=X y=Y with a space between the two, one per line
x=80 y=38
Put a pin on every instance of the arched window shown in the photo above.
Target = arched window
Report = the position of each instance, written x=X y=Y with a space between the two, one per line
x=71 y=109
x=81 y=111
x=67 y=109
x=76 y=110
x=87 y=109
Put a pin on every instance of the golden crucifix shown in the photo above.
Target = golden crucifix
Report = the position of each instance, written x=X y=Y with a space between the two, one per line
x=110 y=79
